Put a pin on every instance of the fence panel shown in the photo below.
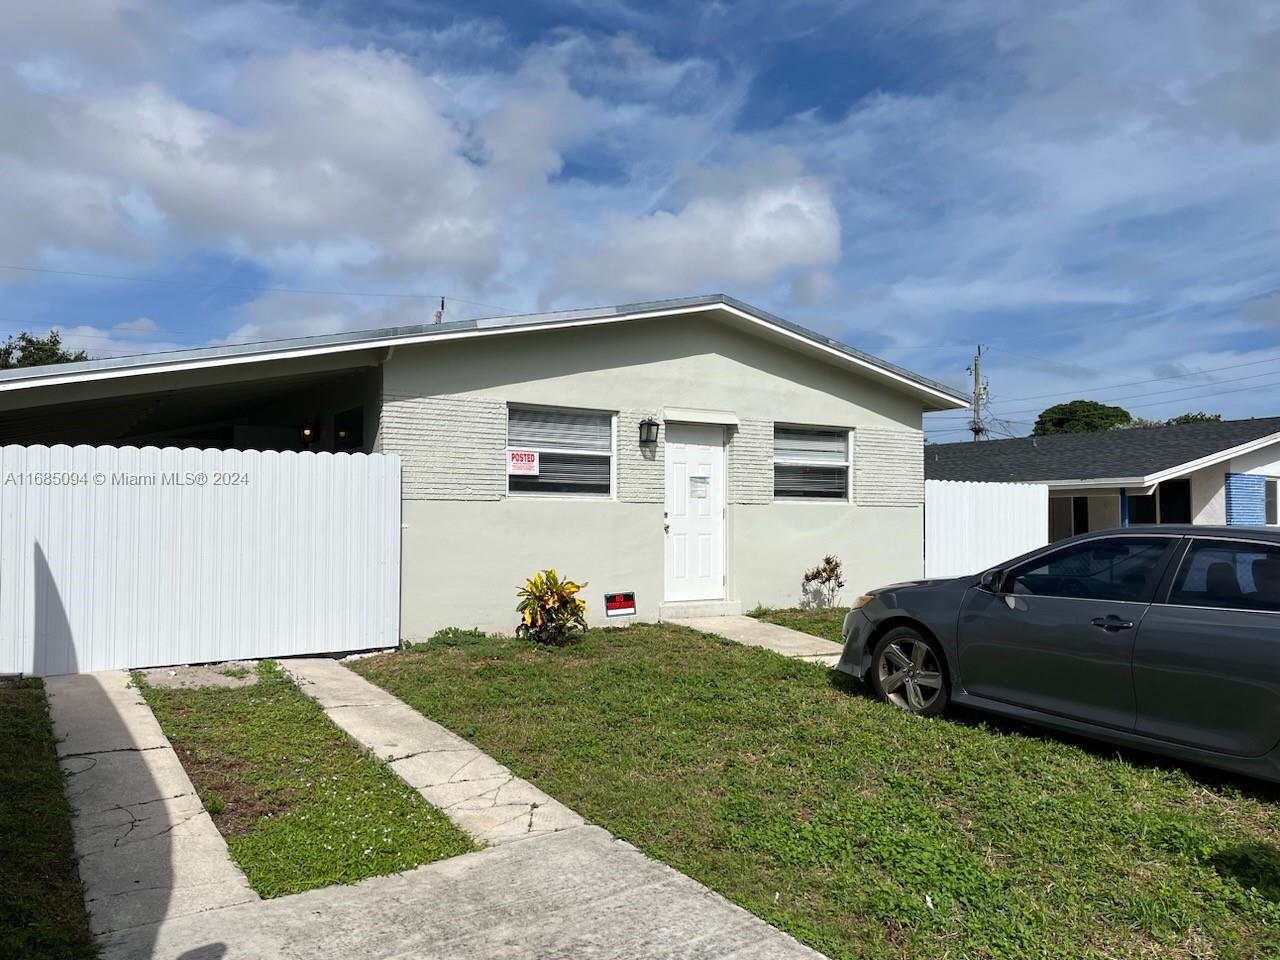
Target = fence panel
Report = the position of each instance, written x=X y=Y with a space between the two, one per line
x=971 y=526
x=127 y=557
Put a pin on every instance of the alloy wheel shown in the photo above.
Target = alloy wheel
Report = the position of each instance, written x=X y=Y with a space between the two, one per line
x=909 y=674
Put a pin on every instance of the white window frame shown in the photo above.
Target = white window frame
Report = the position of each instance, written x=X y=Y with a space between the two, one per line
x=848 y=464
x=613 y=455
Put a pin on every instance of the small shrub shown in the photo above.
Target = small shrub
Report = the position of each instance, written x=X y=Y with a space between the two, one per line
x=550 y=608
x=822 y=584
x=214 y=804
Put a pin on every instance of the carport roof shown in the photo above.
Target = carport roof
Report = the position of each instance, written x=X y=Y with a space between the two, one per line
x=935 y=395
x=1130 y=457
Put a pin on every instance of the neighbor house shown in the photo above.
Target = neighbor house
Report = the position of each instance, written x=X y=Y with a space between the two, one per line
x=1222 y=472
x=698 y=453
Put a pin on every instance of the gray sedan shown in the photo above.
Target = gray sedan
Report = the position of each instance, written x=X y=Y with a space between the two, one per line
x=1161 y=638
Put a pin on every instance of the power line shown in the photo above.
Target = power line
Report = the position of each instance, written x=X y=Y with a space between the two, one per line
x=249 y=289
x=1157 y=393
x=1155 y=403
x=1131 y=383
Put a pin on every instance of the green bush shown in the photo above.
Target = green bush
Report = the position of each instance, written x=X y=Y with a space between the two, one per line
x=550 y=608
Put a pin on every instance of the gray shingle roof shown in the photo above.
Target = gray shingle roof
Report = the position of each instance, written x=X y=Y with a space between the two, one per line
x=1109 y=454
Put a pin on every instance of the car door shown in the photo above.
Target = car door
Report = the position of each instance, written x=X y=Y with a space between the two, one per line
x=1206 y=664
x=1057 y=633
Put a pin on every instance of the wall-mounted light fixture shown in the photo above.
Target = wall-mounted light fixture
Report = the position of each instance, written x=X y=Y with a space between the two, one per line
x=648 y=431
x=308 y=433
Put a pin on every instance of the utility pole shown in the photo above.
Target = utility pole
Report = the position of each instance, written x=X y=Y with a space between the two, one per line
x=976 y=426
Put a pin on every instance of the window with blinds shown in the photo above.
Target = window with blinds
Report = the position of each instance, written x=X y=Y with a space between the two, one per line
x=810 y=464
x=574 y=447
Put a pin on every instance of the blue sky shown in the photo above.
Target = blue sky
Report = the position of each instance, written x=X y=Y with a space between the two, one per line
x=1091 y=190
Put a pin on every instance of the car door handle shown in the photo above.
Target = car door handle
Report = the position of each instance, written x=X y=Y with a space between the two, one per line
x=1112 y=622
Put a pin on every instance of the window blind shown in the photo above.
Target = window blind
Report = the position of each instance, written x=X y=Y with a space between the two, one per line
x=529 y=429
x=575 y=450
x=810 y=463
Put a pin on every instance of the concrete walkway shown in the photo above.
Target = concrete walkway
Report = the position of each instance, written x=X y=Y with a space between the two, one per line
x=548 y=886
x=147 y=849
x=756 y=633
x=479 y=794
x=574 y=895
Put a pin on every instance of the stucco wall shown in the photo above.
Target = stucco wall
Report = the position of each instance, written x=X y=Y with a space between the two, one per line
x=1208 y=495
x=773 y=546
x=467 y=546
x=1264 y=462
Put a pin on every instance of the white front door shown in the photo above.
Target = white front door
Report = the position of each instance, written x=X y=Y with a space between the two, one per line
x=695 y=512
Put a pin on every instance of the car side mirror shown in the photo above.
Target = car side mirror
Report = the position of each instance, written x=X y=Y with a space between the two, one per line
x=991 y=580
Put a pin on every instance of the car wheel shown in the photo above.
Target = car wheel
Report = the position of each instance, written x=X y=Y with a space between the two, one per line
x=907 y=671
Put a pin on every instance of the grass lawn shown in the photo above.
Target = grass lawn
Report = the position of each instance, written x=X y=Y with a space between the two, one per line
x=42 y=915
x=825 y=623
x=300 y=805
x=864 y=831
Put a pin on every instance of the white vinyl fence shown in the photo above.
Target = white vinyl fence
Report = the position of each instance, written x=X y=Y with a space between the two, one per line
x=124 y=557
x=971 y=526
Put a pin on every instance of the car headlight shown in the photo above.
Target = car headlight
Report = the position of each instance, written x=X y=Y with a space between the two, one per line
x=862 y=601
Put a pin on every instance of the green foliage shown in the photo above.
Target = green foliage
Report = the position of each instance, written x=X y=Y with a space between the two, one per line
x=42 y=915
x=28 y=350
x=550 y=608
x=301 y=806
x=1079 y=416
x=825 y=581
x=862 y=830
x=1196 y=417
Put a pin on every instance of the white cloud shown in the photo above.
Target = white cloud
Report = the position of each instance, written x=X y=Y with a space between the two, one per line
x=143 y=326
x=743 y=235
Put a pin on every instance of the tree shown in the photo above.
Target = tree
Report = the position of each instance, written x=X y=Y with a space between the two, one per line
x=1197 y=417
x=1080 y=416
x=28 y=350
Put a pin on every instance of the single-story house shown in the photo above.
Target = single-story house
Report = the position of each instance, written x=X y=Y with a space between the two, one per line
x=1223 y=472
x=700 y=453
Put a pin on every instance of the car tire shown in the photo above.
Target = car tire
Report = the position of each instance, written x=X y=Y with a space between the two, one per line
x=907 y=670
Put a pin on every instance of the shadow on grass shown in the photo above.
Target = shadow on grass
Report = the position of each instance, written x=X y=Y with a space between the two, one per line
x=1209 y=777
x=1254 y=864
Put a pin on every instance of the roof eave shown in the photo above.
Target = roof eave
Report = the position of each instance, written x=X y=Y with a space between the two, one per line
x=935 y=396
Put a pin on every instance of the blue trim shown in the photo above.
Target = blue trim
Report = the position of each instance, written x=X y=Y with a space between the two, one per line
x=1124 y=508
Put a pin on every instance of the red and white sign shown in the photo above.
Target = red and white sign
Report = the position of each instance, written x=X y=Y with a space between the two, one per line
x=522 y=462
x=619 y=604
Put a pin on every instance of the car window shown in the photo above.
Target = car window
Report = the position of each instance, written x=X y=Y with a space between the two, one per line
x=1120 y=569
x=1241 y=576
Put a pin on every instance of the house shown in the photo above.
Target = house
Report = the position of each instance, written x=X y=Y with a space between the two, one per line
x=1205 y=473
x=698 y=453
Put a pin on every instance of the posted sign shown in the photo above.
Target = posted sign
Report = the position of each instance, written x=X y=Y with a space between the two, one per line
x=522 y=462
x=620 y=604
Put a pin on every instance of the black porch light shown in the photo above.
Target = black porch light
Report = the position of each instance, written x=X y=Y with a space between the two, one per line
x=648 y=431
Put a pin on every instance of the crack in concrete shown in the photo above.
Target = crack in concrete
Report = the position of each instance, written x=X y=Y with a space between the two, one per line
x=98 y=753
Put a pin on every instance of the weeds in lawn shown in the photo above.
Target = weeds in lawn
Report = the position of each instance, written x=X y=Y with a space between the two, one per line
x=862 y=830
x=300 y=805
x=42 y=914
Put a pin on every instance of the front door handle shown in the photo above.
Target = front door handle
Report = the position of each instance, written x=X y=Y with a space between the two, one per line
x=1112 y=622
